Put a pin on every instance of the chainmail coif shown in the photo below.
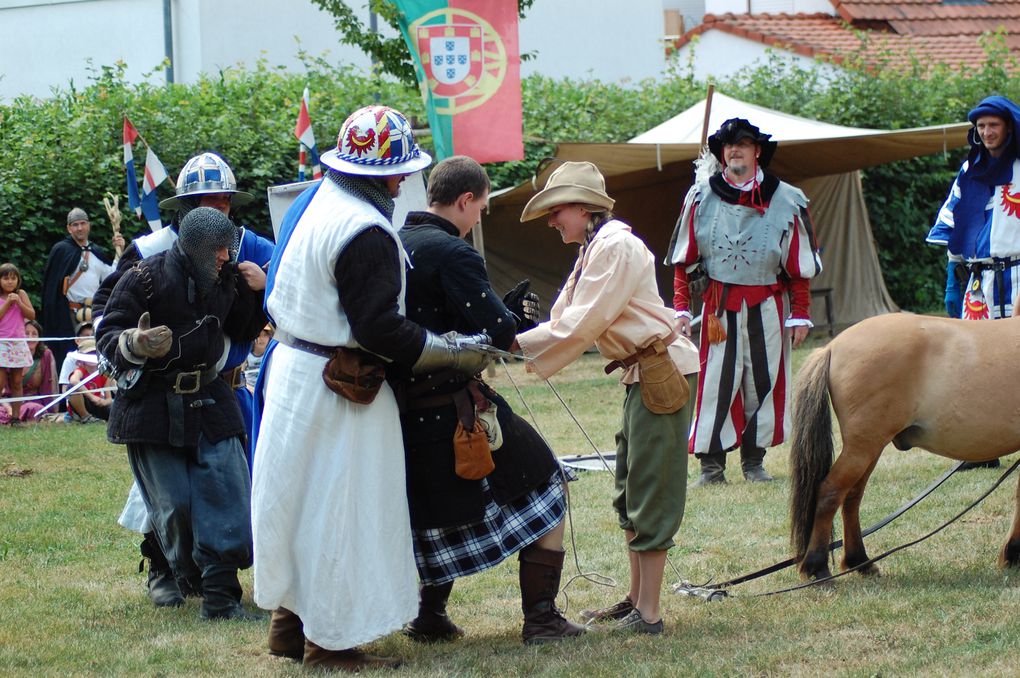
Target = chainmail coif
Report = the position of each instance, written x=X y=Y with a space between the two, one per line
x=203 y=231
x=370 y=189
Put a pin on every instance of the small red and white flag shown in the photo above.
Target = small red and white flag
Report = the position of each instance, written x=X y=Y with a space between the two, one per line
x=155 y=174
x=305 y=135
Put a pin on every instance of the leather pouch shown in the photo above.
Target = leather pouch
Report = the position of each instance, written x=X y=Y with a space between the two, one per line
x=663 y=389
x=354 y=374
x=471 y=451
x=472 y=455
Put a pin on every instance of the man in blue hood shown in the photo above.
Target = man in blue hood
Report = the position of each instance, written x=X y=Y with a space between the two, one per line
x=980 y=220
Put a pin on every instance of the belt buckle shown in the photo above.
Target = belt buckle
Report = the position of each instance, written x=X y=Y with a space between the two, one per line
x=196 y=377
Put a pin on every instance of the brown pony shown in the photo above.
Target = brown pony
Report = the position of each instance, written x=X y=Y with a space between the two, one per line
x=947 y=386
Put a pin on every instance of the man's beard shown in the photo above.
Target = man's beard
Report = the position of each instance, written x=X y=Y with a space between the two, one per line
x=741 y=172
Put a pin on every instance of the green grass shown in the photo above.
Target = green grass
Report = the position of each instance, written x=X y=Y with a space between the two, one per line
x=72 y=602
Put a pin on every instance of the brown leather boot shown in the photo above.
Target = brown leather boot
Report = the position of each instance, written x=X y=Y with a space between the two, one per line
x=540 y=571
x=352 y=660
x=286 y=635
x=432 y=623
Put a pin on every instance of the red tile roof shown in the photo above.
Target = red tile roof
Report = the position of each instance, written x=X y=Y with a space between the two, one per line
x=827 y=37
x=932 y=17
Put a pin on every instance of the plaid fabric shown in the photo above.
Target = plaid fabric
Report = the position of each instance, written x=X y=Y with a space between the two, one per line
x=443 y=554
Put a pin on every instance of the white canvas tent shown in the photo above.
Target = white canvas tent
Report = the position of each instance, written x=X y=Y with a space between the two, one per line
x=650 y=175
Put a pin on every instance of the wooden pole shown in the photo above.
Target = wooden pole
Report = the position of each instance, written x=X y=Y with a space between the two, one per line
x=708 y=114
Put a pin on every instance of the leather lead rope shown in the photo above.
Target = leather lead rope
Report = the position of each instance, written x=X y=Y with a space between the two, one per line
x=782 y=565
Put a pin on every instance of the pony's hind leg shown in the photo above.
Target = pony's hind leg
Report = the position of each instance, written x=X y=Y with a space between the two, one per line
x=853 y=542
x=1010 y=556
x=849 y=469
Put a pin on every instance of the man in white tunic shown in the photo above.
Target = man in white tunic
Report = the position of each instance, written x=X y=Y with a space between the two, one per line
x=333 y=556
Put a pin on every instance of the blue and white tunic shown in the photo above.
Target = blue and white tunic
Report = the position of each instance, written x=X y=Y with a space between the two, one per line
x=990 y=247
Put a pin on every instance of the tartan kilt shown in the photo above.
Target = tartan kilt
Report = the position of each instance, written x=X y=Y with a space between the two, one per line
x=443 y=554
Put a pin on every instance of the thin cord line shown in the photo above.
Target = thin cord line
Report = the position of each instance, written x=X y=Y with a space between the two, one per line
x=594 y=577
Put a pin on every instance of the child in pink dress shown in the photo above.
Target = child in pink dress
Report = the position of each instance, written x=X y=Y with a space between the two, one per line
x=15 y=309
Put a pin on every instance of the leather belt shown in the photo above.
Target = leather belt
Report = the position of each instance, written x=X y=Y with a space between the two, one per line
x=643 y=353
x=308 y=346
x=233 y=377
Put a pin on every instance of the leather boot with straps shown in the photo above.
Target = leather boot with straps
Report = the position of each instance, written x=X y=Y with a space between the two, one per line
x=540 y=571
x=432 y=623
x=161 y=582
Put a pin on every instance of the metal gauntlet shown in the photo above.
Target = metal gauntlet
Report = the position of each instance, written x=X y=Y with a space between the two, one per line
x=461 y=352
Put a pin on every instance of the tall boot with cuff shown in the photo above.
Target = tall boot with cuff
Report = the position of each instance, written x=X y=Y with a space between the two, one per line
x=713 y=468
x=432 y=623
x=540 y=571
x=161 y=583
x=752 y=458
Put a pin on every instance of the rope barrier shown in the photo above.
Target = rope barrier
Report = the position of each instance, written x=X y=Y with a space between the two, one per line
x=43 y=339
x=46 y=396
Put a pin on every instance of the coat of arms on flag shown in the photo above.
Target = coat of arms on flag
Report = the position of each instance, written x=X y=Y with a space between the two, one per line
x=463 y=56
x=468 y=64
x=452 y=57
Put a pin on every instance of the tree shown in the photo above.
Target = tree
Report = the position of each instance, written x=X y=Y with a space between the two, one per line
x=389 y=54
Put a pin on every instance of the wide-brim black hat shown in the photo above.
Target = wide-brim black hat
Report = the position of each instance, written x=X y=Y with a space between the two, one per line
x=735 y=129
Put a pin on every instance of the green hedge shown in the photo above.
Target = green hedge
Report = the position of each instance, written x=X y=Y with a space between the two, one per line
x=66 y=151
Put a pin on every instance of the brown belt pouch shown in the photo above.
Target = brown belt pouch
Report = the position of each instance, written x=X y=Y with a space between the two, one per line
x=354 y=374
x=472 y=454
x=663 y=389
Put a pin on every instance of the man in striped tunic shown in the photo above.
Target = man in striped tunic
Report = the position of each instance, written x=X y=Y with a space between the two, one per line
x=752 y=235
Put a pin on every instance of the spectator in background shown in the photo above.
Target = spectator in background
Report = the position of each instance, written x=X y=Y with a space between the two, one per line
x=253 y=363
x=89 y=404
x=15 y=309
x=85 y=332
x=73 y=272
x=39 y=379
x=979 y=223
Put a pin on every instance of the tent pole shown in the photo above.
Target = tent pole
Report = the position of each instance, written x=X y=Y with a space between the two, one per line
x=708 y=114
x=478 y=238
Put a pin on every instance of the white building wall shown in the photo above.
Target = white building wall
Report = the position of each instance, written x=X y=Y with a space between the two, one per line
x=717 y=55
x=769 y=6
x=46 y=43
x=609 y=41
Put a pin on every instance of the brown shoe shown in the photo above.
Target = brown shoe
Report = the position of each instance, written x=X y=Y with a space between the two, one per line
x=352 y=660
x=612 y=613
x=286 y=635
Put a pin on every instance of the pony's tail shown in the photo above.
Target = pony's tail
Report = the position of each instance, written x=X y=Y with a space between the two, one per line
x=811 y=446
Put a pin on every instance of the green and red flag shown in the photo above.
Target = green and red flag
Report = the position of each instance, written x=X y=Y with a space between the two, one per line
x=468 y=62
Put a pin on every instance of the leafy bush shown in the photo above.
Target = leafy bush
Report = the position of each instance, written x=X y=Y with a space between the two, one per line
x=66 y=151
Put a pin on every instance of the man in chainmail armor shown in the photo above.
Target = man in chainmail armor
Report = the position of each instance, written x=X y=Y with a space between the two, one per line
x=168 y=318
x=206 y=180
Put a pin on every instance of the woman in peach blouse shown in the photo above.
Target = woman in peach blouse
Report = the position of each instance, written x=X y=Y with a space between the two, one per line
x=611 y=300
